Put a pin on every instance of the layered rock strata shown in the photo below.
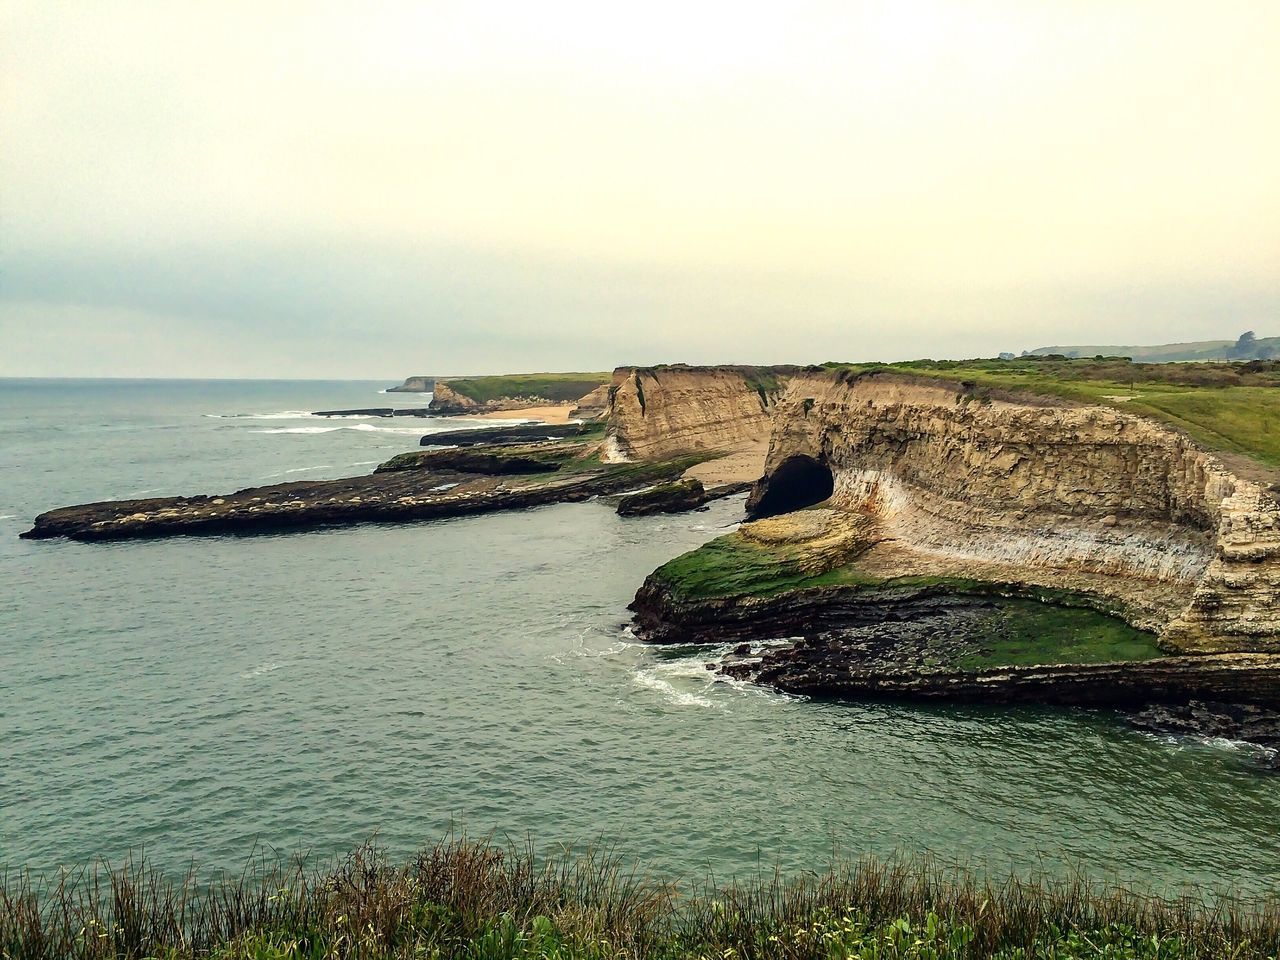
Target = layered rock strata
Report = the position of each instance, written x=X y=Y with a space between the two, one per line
x=660 y=411
x=414 y=385
x=1018 y=485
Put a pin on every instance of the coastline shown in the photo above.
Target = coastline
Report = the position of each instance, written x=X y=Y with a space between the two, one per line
x=556 y=414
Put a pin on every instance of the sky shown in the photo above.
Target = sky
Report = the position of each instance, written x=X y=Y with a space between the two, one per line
x=225 y=189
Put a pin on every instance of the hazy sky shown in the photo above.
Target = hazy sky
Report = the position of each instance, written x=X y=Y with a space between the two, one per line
x=381 y=189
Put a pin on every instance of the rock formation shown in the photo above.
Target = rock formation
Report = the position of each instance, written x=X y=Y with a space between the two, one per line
x=1039 y=491
x=415 y=385
x=594 y=405
x=658 y=411
x=422 y=485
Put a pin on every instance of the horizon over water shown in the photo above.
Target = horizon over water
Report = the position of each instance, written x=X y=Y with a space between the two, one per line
x=198 y=697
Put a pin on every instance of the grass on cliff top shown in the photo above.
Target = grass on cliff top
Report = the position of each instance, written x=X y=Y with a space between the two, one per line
x=477 y=901
x=1232 y=407
x=557 y=387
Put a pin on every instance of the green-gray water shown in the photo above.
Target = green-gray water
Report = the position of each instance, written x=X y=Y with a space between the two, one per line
x=199 y=696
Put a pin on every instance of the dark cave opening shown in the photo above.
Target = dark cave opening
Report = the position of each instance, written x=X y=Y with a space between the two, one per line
x=799 y=481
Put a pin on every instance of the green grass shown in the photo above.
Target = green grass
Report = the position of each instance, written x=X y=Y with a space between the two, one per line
x=557 y=387
x=1168 y=352
x=732 y=566
x=476 y=901
x=1027 y=632
x=1233 y=407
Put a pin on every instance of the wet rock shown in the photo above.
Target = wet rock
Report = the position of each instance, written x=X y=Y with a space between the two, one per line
x=376 y=412
x=495 y=436
x=432 y=491
x=665 y=498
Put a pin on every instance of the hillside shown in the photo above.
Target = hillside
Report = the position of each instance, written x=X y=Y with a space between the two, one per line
x=1246 y=347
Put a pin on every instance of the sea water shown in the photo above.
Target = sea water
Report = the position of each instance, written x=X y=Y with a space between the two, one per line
x=211 y=697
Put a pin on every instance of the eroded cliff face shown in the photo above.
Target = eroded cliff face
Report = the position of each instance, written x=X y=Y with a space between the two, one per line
x=1095 y=498
x=658 y=411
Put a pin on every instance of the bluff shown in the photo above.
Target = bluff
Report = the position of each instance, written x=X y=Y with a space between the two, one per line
x=414 y=385
x=658 y=411
x=950 y=481
x=1034 y=489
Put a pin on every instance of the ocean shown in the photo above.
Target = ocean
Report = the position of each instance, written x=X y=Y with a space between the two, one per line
x=214 y=698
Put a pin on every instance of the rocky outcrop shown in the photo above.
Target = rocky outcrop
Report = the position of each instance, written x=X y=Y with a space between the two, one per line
x=415 y=385
x=658 y=411
x=376 y=412
x=426 y=490
x=819 y=668
x=496 y=436
x=445 y=401
x=675 y=497
x=594 y=405
x=1020 y=485
x=489 y=462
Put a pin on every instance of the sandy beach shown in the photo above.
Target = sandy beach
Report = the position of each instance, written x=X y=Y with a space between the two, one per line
x=741 y=466
x=555 y=414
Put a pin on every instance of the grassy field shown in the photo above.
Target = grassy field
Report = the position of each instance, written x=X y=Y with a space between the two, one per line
x=481 y=902
x=557 y=387
x=1233 y=407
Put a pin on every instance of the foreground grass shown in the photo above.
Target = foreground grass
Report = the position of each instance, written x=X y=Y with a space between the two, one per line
x=1233 y=407
x=473 y=900
x=557 y=387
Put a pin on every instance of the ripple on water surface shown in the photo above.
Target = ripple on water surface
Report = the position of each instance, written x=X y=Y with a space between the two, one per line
x=199 y=696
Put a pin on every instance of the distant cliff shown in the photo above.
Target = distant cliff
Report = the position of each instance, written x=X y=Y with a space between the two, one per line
x=1245 y=347
x=516 y=391
x=415 y=385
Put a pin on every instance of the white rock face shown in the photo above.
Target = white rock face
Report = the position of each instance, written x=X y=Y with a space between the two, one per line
x=1035 y=491
x=1082 y=490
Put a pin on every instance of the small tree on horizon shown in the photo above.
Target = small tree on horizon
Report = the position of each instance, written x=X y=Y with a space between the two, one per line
x=1245 y=345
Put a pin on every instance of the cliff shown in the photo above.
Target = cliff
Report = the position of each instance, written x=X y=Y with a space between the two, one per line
x=1035 y=491
x=658 y=411
x=414 y=385
x=445 y=400
x=516 y=391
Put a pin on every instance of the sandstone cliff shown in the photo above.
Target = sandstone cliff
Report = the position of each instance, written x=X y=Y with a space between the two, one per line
x=658 y=411
x=1089 y=497
x=414 y=385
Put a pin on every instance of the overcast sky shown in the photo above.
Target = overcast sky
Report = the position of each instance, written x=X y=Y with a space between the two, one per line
x=384 y=189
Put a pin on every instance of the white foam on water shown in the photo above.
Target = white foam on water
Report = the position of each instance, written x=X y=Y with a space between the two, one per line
x=359 y=427
x=650 y=680
x=8 y=516
x=282 y=473
x=259 y=670
x=279 y=415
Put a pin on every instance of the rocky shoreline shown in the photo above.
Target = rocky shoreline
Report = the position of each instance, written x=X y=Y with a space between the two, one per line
x=929 y=643
x=417 y=486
